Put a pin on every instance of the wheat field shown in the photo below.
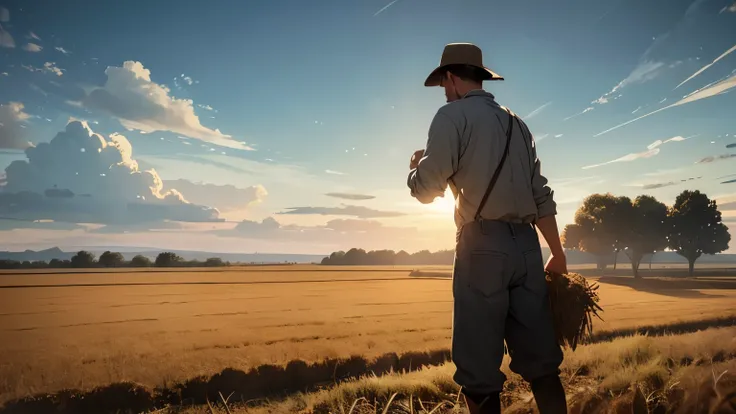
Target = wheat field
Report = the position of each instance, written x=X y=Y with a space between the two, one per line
x=61 y=330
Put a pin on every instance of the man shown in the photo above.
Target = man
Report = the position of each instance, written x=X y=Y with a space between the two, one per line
x=499 y=286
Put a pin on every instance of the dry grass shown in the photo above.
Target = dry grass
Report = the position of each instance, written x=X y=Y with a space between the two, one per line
x=167 y=332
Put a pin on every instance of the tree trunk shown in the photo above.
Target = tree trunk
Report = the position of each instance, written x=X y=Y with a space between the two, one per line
x=615 y=258
x=691 y=266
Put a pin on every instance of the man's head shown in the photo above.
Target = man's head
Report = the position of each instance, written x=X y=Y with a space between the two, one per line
x=461 y=70
x=457 y=80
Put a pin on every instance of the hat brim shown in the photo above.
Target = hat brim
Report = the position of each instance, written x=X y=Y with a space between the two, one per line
x=435 y=77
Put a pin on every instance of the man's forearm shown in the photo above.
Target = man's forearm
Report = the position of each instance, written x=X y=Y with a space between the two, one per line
x=548 y=227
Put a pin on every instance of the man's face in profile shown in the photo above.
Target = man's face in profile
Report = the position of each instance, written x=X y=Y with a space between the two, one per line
x=448 y=83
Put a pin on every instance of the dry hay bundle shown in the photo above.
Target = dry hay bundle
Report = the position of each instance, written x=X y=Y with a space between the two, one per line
x=574 y=302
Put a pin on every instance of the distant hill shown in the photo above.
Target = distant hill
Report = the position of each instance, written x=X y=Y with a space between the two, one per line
x=573 y=257
x=128 y=253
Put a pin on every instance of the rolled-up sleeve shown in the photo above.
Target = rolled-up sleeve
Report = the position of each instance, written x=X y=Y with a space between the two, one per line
x=543 y=194
x=429 y=180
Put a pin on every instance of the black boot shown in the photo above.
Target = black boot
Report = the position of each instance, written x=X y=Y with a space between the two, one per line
x=487 y=404
x=549 y=395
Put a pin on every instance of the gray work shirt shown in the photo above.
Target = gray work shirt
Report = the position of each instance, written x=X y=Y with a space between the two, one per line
x=466 y=140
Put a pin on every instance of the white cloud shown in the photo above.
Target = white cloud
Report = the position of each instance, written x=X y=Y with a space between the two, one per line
x=49 y=67
x=704 y=68
x=333 y=172
x=652 y=150
x=713 y=89
x=207 y=107
x=645 y=71
x=33 y=36
x=225 y=197
x=586 y=110
x=731 y=8
x=62 y=50
x=81 y=177
x=12 y=134
x=141 y=104
x=384 y=8
x=6 y=39
x=538 y=110
x=558 y=135
x=32 y=47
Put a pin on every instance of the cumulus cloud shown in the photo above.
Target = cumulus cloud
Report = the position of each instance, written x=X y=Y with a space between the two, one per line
x=341 y=233
x=713 y=89
x=32 y=47
x=12 y=133
x=704 y=68
x=6 y=39
x=538 y=110
x=652 y=150
x=346 y=196
x=225 y=197
x=345 y=210
x=82 y=177
x=141 y=104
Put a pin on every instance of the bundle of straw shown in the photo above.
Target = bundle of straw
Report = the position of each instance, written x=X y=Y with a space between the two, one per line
x=574 y=302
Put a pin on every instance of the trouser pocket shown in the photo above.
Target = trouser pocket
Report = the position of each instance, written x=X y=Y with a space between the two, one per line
x=487 y=272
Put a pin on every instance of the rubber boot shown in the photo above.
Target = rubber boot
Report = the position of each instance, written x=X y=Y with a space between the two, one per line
x=491 y=404
x=549 y=395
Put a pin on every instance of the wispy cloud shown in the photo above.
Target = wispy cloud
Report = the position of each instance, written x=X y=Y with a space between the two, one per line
x=345 y=210
x=538 y=110
x=715 y=158
x=347 y=196
x=333 y=172
x=62 y=50
x=707 y=91
x=32 y=47
x=586 y=110
x=33 y=36
x=47 y=67
x=704 y=68
x=652 y=150
x=654 y=186
x=383 y=9
x=6 y=40
x=643 y=72
x=731 y=8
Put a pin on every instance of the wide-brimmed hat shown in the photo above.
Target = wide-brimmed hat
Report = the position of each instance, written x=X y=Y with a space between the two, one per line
x=460 y=54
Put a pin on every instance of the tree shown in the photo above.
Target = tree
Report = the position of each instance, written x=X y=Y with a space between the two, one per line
x=696 y=227
x=111 y=259
x=168 y=259
x=214 y=262
x=647 y=230
x=83 y=258
x=140 y=261
x=598 y=226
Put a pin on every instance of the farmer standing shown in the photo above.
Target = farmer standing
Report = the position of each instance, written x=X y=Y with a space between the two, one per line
x=487 y=156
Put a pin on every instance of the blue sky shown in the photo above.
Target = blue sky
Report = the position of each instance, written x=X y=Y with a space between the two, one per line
x=263 y=108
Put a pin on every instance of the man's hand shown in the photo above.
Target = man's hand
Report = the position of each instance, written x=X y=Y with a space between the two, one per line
x=556 y=264
x=414 y=162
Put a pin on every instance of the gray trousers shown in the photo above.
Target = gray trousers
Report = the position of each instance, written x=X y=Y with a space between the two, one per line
x=500 y=293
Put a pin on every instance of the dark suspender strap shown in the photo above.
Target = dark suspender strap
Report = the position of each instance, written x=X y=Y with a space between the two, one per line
x=498 y=168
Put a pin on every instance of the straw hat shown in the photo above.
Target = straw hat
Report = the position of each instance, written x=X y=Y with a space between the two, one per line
x=460 y=54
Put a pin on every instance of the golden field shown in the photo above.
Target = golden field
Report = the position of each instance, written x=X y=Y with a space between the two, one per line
x=154 y=327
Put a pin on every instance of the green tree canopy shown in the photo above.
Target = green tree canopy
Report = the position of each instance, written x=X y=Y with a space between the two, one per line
x=111 y=259
x=168 y=259
x=140 y=261
x=696 y=227
x=648 y=228
x=83 y=258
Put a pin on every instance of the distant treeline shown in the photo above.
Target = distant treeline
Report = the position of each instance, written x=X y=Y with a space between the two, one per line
x=389 y=257
x=85 y=259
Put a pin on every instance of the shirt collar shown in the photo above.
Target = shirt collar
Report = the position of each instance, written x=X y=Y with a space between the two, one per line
x=479 y=92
